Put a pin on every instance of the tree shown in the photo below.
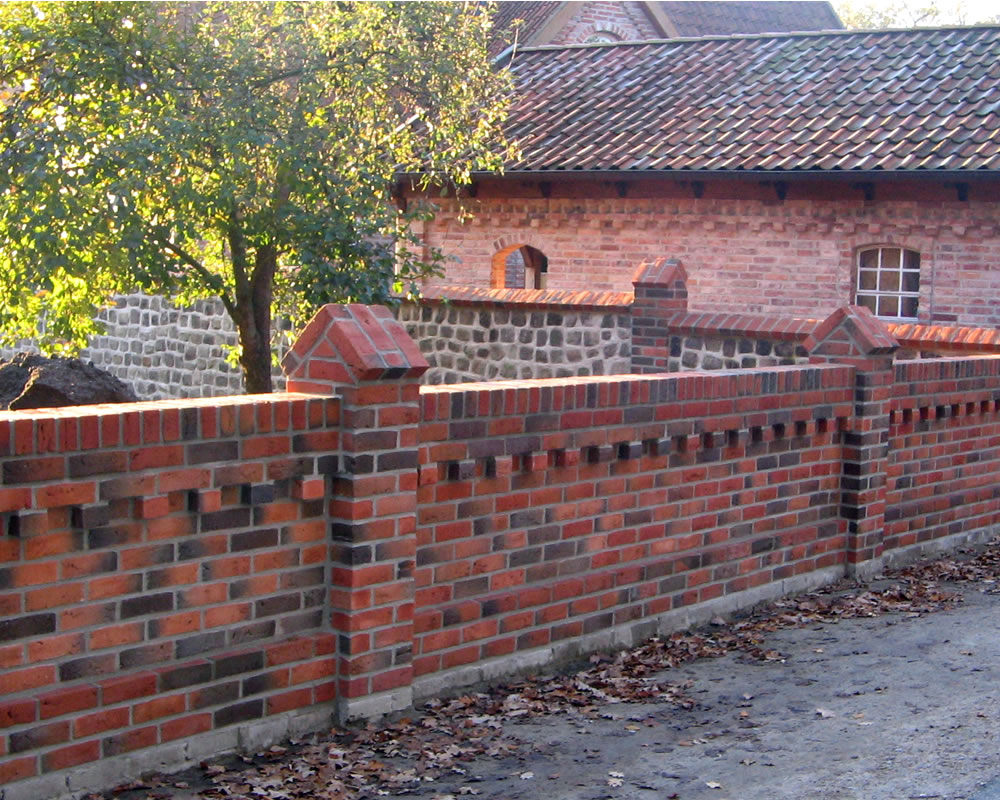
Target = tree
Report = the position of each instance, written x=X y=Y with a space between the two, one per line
x=880 y=14
x=241 y=150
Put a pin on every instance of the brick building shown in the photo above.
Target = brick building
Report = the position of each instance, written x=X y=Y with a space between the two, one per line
x=790 y=173
x=523 y=24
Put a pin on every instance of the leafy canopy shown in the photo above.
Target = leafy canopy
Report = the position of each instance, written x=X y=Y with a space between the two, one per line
x=228 y=149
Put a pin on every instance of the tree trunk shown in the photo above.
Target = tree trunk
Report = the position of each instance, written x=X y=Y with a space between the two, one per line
x=254 y=323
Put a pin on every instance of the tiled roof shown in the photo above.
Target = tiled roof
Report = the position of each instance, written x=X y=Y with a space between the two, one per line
x=694 y=18
x=911 y=100
x=532 y=16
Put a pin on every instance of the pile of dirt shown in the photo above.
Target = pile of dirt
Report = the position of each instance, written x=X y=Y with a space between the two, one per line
x=33 y=381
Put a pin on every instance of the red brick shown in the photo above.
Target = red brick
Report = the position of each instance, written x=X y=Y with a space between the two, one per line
x=71 y=756
x=67 y=701
x=185 y=726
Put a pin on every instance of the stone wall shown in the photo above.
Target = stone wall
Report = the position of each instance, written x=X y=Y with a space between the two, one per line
x=165 y=352
x=516 y=334
x=731 y=352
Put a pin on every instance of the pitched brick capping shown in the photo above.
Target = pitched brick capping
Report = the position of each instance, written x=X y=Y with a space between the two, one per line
x=183 y=578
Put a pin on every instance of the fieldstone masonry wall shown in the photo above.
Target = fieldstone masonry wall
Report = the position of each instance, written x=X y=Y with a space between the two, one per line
x=543 y=340
x=731 y=352
x=163 y=351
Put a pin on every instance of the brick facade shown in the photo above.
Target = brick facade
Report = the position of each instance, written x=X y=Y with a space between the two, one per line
x=185 y=578
x=625 y=22
x=747 y=246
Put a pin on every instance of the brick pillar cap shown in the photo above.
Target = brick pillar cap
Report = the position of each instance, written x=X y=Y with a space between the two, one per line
x=854 y=328
x=660 y=272
x=347 y=344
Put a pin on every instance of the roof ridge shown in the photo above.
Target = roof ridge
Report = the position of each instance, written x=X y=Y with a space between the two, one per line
x=774 y=35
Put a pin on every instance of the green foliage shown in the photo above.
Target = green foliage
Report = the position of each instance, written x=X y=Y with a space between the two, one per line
x=882 y=14
x=228 y=149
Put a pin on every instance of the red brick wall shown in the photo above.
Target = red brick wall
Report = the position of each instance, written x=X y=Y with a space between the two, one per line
x=565 y=508
x=743 y=248
x=627 y=21
x=186 y=568
x=163 y=572
x=944 y=450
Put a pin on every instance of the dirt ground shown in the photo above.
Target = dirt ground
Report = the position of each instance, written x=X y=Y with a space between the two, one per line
x=812 y=698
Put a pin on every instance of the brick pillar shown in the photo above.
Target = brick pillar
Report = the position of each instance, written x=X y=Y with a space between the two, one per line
x=853 y=335
x=364 y=356
x=660 y=295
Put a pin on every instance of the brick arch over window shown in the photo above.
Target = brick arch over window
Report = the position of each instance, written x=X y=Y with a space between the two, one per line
x=615 y=32
x=503 y=267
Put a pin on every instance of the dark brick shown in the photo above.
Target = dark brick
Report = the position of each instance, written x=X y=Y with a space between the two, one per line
x=42 y=736
x=103 y=462
x=257 y=494
x=91 y=516
x=225 y=519
x=31 y=625
x=202 y=643
x=251 y=540
x=253 y=632
x=88 y=667
x=256 y=684
x=215 y=695
x=147 y=655
x=241 y=662
x=281 y=604
x=312 y=576
x=205 y=452
x=520 y=558
x=296 y=623
x=239 y=712
x=147 y=604
x=398 y=459
x=179 y=677
x=352 y=556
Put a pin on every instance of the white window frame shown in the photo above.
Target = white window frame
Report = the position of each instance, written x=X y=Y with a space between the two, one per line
x=888 y=282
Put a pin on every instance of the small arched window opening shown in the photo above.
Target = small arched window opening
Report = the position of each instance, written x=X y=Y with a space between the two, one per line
x=602 y=37
x=520 y=267
x=888 y=281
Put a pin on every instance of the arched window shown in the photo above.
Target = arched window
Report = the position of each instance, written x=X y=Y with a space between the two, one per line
x=602 y=37
x=888 y=281
x=520 y=267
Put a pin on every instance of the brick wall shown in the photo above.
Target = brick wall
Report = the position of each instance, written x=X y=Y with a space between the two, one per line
x=745 y=250
x=566 y=508
x=163 y=574
x=185 y=578
x=944 y=450
x=627 y=21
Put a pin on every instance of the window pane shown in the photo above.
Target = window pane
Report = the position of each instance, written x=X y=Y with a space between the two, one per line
x=867 y=301
x=908 y=307
x=890 y=258
x=911 y=259
x=911 y=281
x=888 y=281
x=867 y=279
x=888 y=307
x=868 y=259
